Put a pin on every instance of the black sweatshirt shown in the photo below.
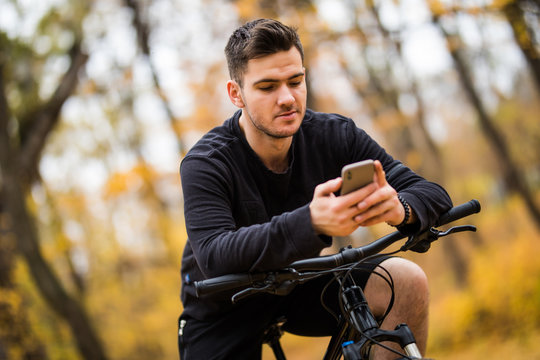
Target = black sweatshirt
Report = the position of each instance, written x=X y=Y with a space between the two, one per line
x=242 y=217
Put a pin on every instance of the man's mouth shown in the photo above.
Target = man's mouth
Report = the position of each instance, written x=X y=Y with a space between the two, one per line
x=287 y=114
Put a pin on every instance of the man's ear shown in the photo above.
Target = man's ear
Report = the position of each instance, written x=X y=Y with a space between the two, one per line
x=234 y=91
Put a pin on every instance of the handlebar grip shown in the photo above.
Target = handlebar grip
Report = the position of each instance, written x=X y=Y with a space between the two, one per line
x=458 y=212
x=225 y=282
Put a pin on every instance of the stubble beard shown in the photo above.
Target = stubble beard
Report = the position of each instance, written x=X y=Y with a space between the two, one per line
x=265 y=130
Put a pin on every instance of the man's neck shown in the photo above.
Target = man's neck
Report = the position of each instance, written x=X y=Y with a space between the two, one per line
x=273 y=152
x=278 y=163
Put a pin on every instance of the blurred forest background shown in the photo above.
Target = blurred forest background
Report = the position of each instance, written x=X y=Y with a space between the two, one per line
x=99 y=101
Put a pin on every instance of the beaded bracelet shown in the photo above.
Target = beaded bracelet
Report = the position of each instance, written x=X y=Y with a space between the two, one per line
x=407 y=210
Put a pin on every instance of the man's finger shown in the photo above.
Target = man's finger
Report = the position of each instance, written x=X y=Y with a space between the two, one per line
x=379 y=173
x=328 y=187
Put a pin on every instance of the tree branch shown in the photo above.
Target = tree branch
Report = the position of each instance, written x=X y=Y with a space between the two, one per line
x=143 y=33
x=45 y=117
x=523 y=35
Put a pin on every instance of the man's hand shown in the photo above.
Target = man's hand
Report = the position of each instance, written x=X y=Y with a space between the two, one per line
x=335 y=215
x=341 y=215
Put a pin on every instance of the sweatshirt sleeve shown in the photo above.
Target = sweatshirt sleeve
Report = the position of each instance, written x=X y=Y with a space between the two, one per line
x=219 y=245
x=428 y=199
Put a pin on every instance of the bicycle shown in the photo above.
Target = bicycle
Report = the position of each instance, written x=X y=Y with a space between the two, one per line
x=358 y=328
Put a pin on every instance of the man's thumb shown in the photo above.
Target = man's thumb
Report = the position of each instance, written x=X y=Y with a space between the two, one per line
x=328 y=187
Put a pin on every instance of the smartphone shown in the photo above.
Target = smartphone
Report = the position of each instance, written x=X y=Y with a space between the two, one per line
x=356 y=175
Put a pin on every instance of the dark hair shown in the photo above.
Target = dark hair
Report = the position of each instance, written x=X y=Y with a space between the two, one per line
x=256 y=39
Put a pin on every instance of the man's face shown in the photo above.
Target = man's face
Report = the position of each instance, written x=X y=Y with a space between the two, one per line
x=273 y=96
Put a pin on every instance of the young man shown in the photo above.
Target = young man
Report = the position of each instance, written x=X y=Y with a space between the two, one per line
x=259 y=193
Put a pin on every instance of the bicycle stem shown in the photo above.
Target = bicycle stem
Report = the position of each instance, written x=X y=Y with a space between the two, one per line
x=362 y=320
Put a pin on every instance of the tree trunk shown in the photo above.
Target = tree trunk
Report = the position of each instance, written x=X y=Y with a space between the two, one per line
x=18 y=168
x=16 y=335
x=512 y=176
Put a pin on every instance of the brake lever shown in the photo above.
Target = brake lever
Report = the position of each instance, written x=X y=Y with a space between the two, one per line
x=271 y=285
x=422 y=242
x=247 y=292
x=456 y=229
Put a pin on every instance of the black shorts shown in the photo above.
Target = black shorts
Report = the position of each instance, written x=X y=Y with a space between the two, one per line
x=239 y=334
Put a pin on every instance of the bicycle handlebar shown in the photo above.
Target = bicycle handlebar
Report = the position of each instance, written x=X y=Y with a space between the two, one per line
x=458 y=212
x=227 y=282
x=346 y=256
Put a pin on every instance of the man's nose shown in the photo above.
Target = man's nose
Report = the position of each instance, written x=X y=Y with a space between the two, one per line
x=285 y=96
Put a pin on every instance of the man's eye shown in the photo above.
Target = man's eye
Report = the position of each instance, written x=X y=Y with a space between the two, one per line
x=295 y=83
x=266 y=88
